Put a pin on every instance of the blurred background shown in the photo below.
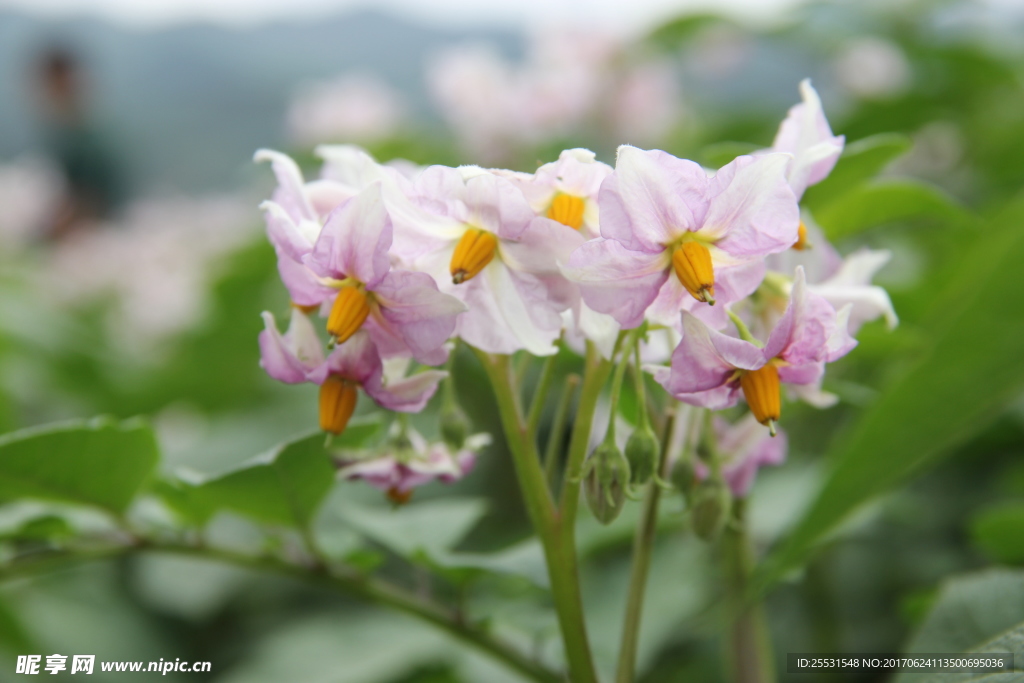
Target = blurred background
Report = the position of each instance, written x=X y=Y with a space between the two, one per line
x=133 y=269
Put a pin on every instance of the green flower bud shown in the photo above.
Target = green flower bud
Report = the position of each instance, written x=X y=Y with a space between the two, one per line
x=642 y=451
x=712 y=503
x=604 y=482
x=454 y=427
x=684 y=475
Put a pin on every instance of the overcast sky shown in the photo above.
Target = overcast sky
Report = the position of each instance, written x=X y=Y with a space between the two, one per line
x=624 y=15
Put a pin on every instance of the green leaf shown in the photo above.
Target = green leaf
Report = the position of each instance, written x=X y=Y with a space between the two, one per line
x=185 y=500
x=999 y=532
x=861 y=161
x=99 y=462
x=958 y=385
x=975 y=613
x=721 y=153
x=430 y=528
x=889 y=201
x=284 y=486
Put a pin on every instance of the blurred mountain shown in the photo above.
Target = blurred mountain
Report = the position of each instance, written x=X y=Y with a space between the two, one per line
x=189 y=104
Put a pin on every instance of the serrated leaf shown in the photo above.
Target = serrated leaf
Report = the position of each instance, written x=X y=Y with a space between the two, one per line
x=887 y=201
x=958 y=385
x=860 y=162
x=99 y=462
x=976 y=613
x=999 y=532
x=284 y=486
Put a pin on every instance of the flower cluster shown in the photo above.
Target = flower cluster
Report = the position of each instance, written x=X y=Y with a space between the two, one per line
x=399 y=261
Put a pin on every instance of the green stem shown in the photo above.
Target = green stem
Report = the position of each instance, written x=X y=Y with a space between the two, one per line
x=595 y=374
x=643 y=546
x=540 y=395
x=559 y=554
x=558 y=427
x=748 y=647
x=349 y=583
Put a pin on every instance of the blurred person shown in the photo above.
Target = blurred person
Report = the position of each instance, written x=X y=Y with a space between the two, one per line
x=94 y=182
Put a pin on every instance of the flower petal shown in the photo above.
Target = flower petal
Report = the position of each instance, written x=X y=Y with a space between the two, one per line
x=802 y=334
x=355 y=240
x=753 y=211
x=290 y=357
x=357 y=359
x=706 y=359
x=417 y=312
x=617 y=281
x=651 y=198
x=806 y=135
x=406 y=395
x=748 y=446
x=290 y=193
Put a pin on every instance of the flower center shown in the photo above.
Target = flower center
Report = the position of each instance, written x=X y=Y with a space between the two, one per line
x=349 y=312
x=337 y=403
x=474 y=251
x=801 y=240
x=761 y=389
x=568 y=210
x=692 y=263
x=398 y=496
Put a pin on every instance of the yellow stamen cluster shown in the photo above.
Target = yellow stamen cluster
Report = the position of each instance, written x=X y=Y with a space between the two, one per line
x=349 y=312
x=337 y=403
x=473 y=252
x=801 y=240
x=692 y=262
x=568 y=210
x=763 y=394
x=399 y=497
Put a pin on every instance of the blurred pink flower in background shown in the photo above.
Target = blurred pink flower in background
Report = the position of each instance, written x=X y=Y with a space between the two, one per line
x=873 y=68
x=30 y=188
x=155 y=266
x=568 y=80
x=354 y=107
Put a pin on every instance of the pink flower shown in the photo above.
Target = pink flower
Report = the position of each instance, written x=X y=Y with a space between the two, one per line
x=806 y=135
x=475 y=233
x=838 y=280
x=294 y=357
x=403 y=311
x=745 y=448
x=296 y=214
x=566 y=190
x=408 y=460
x=711 y=369
x=662 y=215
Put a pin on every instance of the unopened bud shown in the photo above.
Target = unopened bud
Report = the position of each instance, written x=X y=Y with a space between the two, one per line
x=684 y=475
x=607 y=473
x=642 y=451
x=454 y=427
x=712 y=503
